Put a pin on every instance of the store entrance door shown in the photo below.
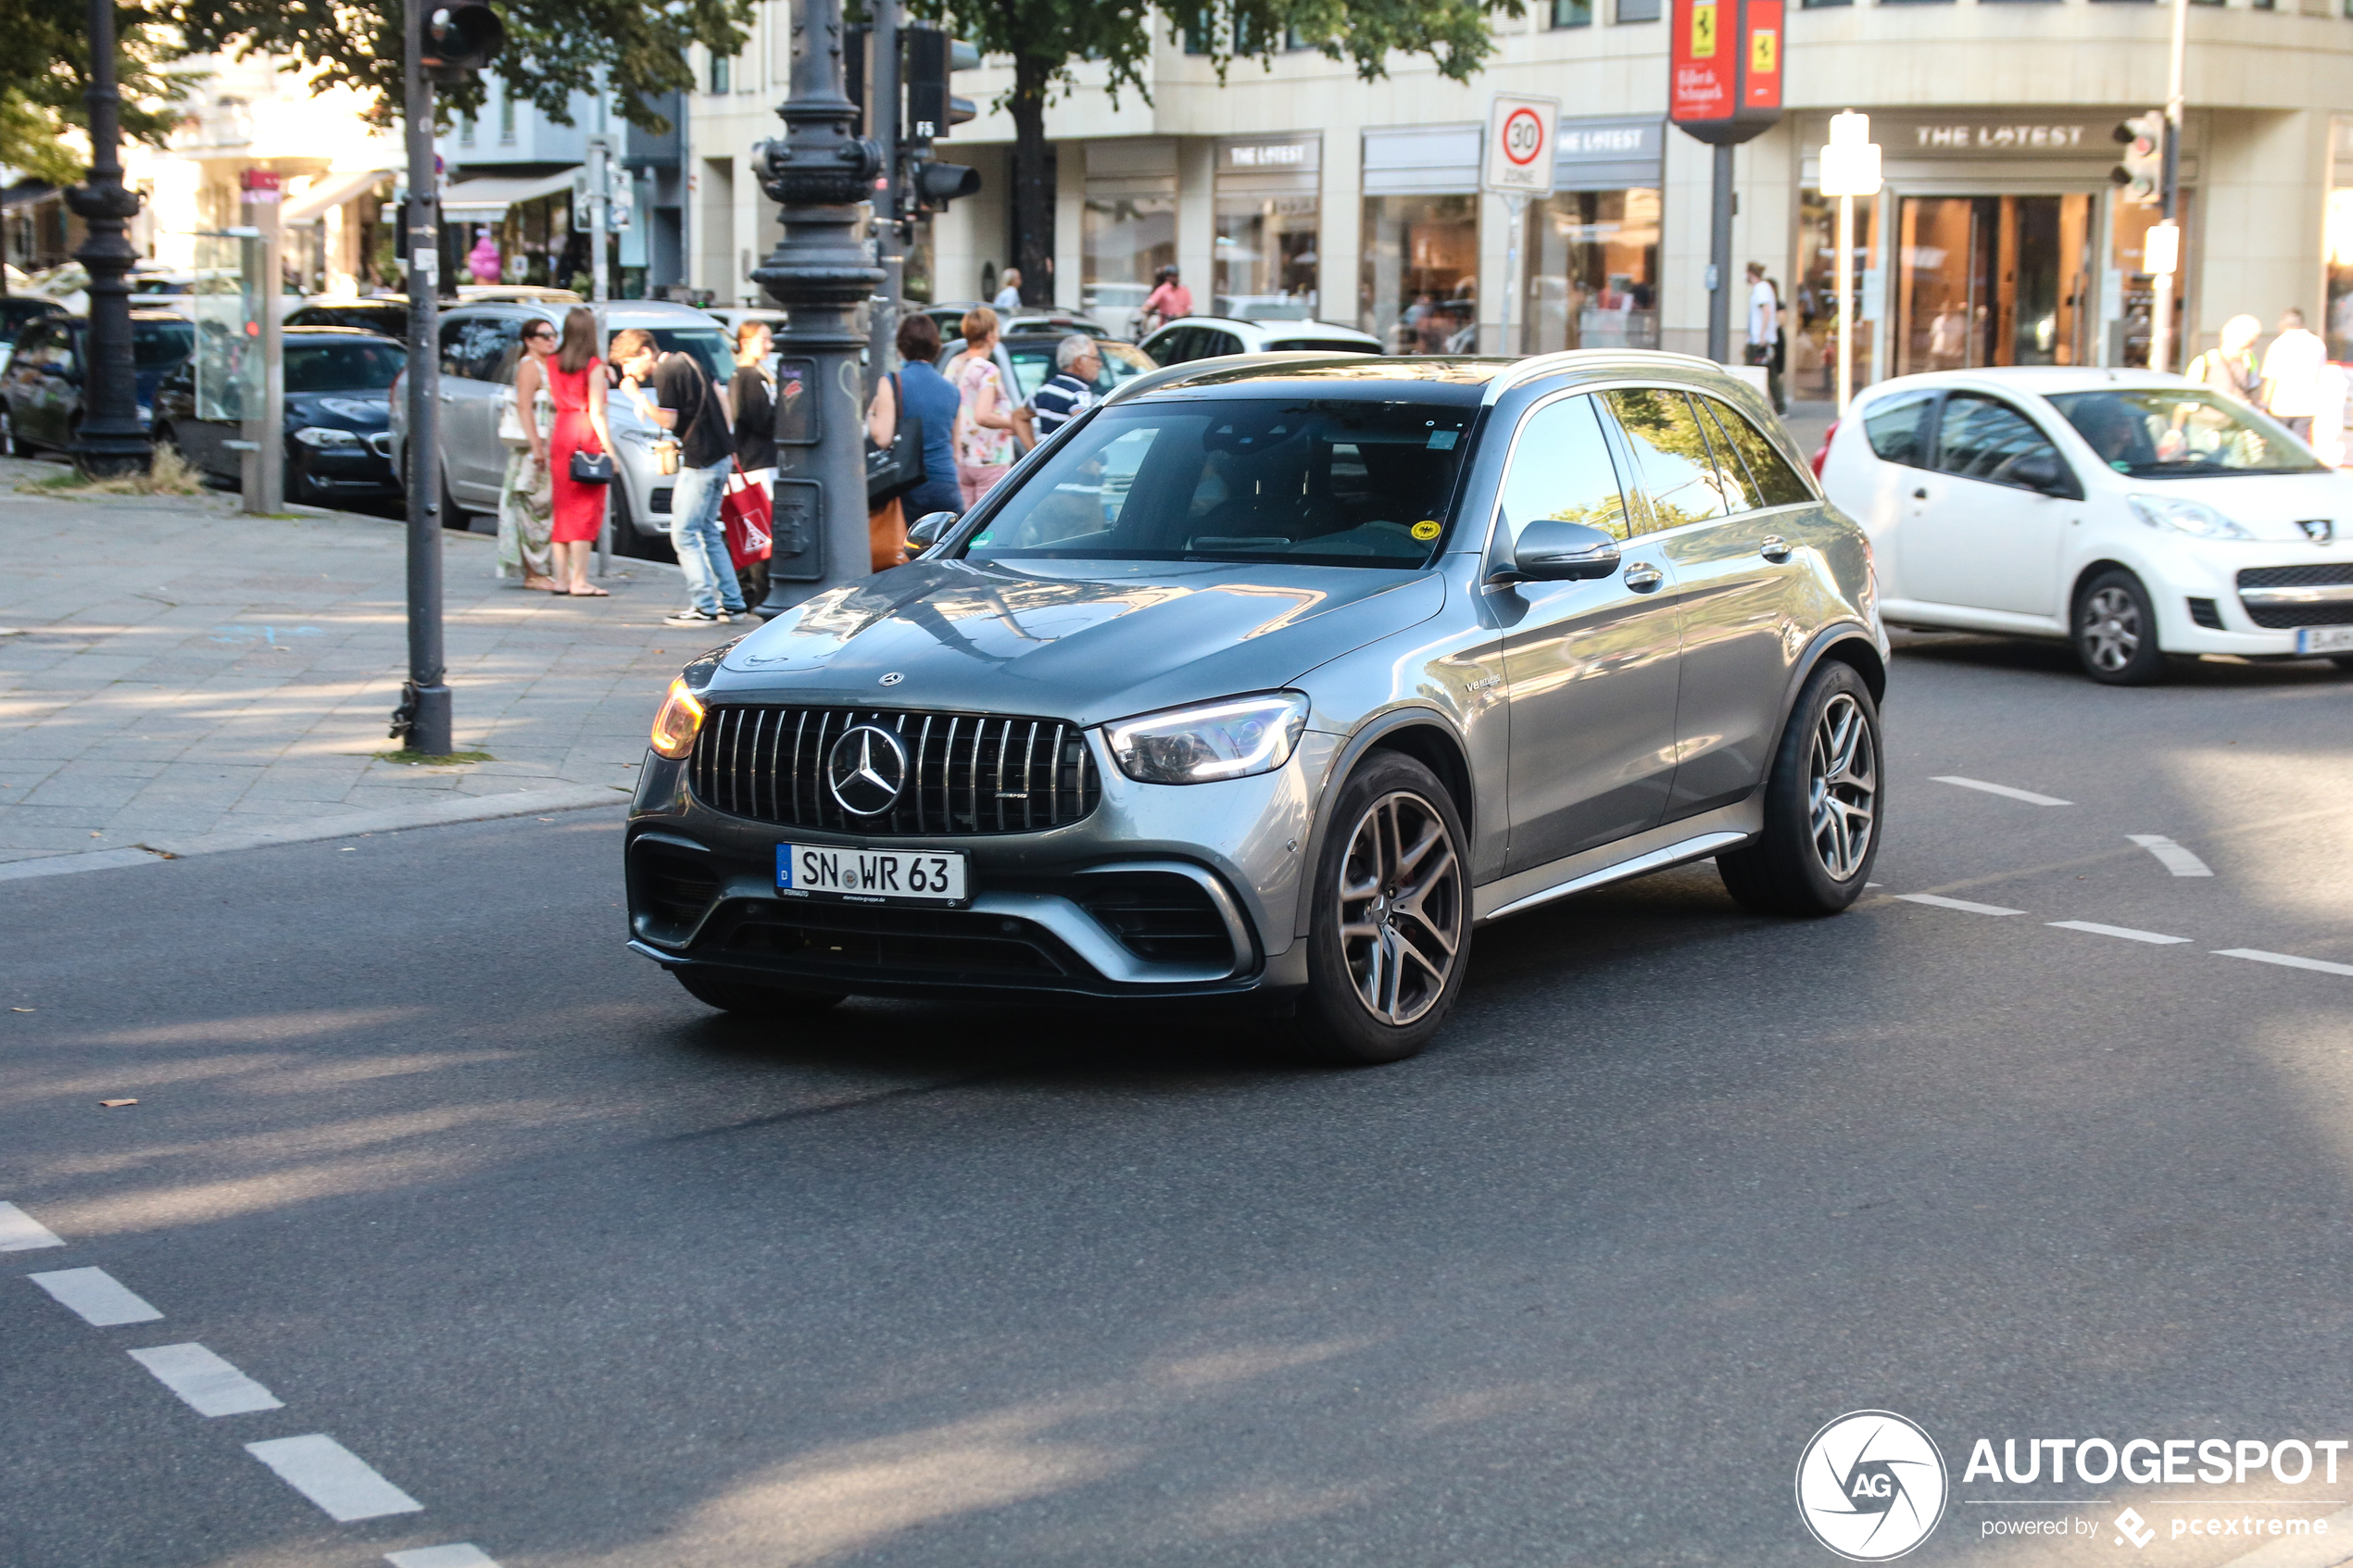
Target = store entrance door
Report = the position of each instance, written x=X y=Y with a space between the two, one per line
x=1994 y=280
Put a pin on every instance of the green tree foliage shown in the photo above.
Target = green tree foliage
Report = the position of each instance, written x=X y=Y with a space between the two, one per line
x=554 y=48
x=1044 y=38
x=45 y=70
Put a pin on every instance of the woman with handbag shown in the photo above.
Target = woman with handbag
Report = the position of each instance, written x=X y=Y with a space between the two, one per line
x=922 y=391
x=579 y=448
x=751 y=395
x=526 y=499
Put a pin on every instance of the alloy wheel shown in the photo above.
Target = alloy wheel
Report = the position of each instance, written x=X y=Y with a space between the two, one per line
x=2112 y=629
x=1842 y=788
x=1401 y=907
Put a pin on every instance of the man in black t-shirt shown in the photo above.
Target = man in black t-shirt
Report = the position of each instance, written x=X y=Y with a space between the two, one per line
x=686 y=404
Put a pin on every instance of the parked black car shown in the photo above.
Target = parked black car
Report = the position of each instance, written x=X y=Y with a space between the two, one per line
x=40 y=390
x=338 y=440
x=18 y=312
x=386 y=316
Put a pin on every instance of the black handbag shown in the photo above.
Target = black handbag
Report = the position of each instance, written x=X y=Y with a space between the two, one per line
x=894 y=470
x=591 y=468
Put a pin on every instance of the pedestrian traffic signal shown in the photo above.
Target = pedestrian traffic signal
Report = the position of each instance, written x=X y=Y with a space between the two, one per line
x=931 y=186
x=932 y=57
x=2142 y=174
x=461 y=38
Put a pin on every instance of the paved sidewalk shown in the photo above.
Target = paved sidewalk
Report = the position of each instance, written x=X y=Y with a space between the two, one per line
x=179 y=676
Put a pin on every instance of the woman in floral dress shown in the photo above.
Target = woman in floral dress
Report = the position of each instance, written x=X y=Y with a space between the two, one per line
x=985 y=422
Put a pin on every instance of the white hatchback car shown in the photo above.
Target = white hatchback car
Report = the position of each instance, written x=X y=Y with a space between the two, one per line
x=2134 y=514
x=1206 y=337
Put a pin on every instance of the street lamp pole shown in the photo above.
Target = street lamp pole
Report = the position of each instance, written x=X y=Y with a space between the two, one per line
x=423 y=718
x=2161 y=304
x=818 y=174
x=110 y=440
x=1850 y=168
x=883 y=114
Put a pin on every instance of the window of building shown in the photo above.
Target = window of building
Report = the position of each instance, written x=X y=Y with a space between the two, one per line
x=1268 y=220
x=466 y=130
x=1592 y=270
x=1637 y=10
x=1418 y=286
x=2337 y=241
x=722 y=71
x=1127 y=239
x=506 y=118
x=1819 y=4
x=1579 y=13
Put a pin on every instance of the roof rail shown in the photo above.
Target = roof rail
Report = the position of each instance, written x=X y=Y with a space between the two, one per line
x=1545 y=364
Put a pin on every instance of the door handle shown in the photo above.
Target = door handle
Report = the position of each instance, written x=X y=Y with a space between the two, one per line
x=1643 y=577
x=1773 y=547
x=1919 y=494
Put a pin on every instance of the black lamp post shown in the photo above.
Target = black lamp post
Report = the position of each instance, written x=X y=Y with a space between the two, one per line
x=110 y=442
x=818 y=273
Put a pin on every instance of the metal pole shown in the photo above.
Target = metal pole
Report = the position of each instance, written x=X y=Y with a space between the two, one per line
x=1719 y=259
x=600 y=218
x=265 y=425
x=110 y=442
x=819 y=174
x=882 y=124
x=2161 y=306
x=423 y=718
x=1845 y=284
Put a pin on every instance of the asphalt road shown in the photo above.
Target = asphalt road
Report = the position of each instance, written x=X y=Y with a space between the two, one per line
x=598 y=1278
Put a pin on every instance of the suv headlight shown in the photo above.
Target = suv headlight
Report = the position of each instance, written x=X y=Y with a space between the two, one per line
x=2176 y=514
x=322 y=436
x=1220 y=740
x=675 y=725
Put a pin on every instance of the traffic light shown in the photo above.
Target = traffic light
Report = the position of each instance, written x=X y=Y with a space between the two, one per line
x=461 y=38
x=932 y=57
x=2142 y=174
x=931 y=186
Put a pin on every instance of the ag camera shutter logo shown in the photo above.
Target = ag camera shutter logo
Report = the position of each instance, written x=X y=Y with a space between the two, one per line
x=1871 y=1485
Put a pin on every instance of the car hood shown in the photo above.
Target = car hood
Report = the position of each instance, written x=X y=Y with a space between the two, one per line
x=308 y=409
x=2266 y=504
x=1086 y=641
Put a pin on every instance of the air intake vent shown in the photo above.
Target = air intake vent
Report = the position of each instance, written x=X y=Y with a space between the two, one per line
x=968 y=773
x=2207 y=614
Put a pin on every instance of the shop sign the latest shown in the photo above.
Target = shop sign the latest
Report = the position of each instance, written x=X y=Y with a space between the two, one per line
x=1906 y=136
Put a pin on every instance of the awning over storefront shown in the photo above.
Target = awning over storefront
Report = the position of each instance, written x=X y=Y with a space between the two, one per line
x=25 y=191
x=487 y=199
x=330 y=190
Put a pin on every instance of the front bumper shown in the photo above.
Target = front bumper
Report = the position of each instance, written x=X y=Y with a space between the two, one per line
x=1160 y=891
x=2206 y=603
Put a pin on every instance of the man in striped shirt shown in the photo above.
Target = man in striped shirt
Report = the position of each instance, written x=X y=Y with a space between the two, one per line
x=1068 y=394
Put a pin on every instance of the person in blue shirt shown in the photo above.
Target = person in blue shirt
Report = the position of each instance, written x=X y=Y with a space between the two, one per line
x=931 y=398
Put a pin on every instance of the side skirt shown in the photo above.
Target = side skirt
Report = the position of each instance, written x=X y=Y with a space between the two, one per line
x=1670 y=843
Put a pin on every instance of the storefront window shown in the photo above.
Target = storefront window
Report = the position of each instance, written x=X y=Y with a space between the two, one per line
x=1592 y=272
x=1813 y=346
x=1127 y=239
x=1267 y=213
x=1994 y=280
x=1419 y=290
x=2130 y=343
x=2337 y=241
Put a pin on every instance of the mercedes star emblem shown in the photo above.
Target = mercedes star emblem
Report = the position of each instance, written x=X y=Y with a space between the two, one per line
x=868 y=770
x=893 y=678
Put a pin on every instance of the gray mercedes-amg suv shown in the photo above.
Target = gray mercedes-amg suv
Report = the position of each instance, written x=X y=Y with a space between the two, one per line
x=1277 y=676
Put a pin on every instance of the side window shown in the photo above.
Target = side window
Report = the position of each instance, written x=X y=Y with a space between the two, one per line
x=1561 y=472
x=1776 y=484
x=453 y=347
x=1732 y=474
x=1167 y=348
x=1897 y=426
x=1215 y=343
x=1978 y=438
x=1679 y=470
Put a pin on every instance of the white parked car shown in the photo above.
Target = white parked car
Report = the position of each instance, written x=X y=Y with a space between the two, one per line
x=2134 y=514
x=1205 y=337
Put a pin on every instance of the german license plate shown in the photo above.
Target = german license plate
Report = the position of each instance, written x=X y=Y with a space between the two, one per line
x=2324 y=639
x=870 y=876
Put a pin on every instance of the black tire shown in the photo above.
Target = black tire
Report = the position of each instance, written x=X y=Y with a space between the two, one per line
x=752 y=1001
x=628 y=539
x=453 y=517
x=2343 y=661
x=11 y=444
x=1823 y=804
x=1389 y=892
x=2113 y=626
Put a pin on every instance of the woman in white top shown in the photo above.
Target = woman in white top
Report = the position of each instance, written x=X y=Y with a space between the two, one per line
x=526 y=498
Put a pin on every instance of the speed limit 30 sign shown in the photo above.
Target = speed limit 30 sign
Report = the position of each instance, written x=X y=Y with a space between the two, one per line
x=1519 y=145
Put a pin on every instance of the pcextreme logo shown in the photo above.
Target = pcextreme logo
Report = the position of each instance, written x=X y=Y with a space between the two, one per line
x=1871 y=1485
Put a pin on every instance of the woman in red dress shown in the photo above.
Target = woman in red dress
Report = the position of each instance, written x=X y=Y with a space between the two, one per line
x=576 y=383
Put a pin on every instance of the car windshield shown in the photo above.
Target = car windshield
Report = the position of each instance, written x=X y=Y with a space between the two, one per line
x=2187 y=432
x=346 y=366
x=16 y=313
x=159 y=345
x=1034 y=364
x=707 y=344
x=368 y=317
x=1321 y=482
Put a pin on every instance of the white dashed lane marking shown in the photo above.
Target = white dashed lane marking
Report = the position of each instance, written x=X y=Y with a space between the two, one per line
x=20 y=1232
x=2005 y=791
x=2126 y=932
x=97 y=1295
x=2289 y=959
x=339 y=1481
x=1961 y=904
x=210 y=1386
x=2169 y=855
x=460 y=1554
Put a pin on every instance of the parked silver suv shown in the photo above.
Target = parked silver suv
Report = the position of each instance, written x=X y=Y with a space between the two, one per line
x=480 y=345
x=1277 y=675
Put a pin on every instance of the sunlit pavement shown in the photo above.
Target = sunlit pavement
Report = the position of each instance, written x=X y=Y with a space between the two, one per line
x=580 y=1273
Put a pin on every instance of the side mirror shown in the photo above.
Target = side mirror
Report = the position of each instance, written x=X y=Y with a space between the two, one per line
x=1551 y=551
x=2044 y=472
x=926 y=529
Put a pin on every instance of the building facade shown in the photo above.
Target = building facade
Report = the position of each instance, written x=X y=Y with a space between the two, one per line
x=1999 y=239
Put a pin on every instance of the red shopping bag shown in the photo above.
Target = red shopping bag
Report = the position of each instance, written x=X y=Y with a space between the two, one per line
x=747 y=513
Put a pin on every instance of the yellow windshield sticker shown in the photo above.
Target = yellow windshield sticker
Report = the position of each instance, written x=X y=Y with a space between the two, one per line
x=1426 y=529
